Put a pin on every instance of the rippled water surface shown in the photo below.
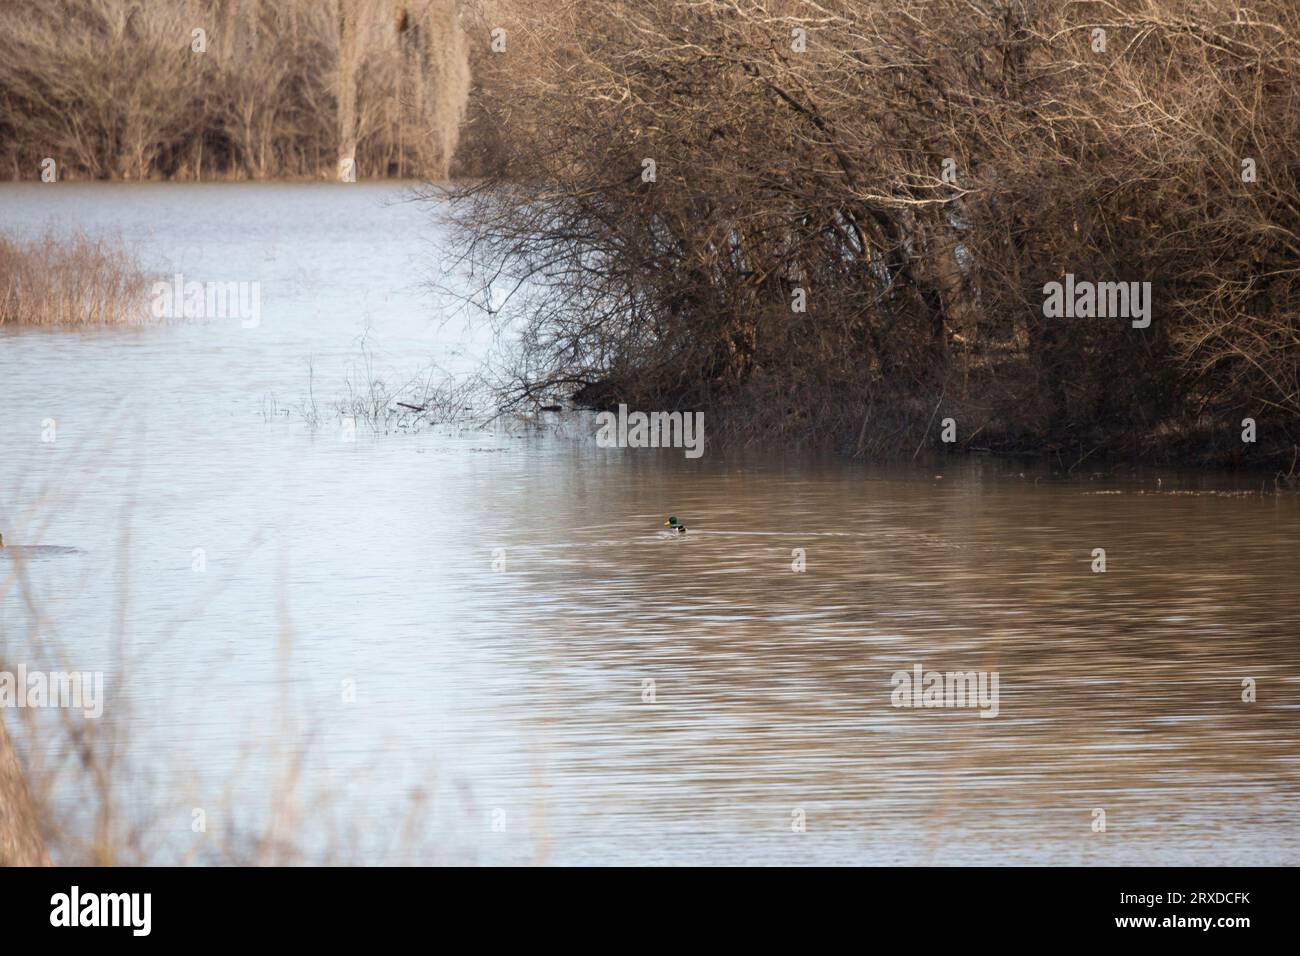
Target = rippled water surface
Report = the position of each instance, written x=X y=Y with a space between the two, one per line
x=494 y=620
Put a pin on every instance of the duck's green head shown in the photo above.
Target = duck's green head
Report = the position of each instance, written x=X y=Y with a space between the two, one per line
x=672 y=522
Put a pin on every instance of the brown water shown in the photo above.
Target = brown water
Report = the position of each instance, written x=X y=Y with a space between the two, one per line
x=514 y=695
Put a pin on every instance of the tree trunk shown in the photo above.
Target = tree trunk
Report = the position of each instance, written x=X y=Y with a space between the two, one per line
x=347 y=92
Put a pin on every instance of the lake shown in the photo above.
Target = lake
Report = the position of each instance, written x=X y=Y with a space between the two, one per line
x=475 y=643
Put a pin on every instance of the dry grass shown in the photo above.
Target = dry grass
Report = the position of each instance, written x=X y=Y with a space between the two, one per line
x=20 y=837
x=75 y=282
x=85 y=792
x=75 y=791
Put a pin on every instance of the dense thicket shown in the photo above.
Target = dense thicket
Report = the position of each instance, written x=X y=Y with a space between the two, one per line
x=1107 y=140
x=115 y=89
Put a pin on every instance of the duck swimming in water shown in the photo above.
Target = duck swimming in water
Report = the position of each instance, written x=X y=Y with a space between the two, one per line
x=673 y=525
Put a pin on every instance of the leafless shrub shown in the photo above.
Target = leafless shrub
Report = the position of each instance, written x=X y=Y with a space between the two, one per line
x=918 y=171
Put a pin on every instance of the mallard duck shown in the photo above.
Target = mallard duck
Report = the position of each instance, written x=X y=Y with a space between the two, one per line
x=672 y=524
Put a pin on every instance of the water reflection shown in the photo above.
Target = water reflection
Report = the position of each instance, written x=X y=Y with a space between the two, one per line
x=513 y=685
x=1119 y=690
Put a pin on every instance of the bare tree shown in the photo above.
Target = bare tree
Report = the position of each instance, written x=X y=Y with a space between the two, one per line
x=673 y=182
x=116 y=89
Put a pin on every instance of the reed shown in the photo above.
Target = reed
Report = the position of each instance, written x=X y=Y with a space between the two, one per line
x=74 y=282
